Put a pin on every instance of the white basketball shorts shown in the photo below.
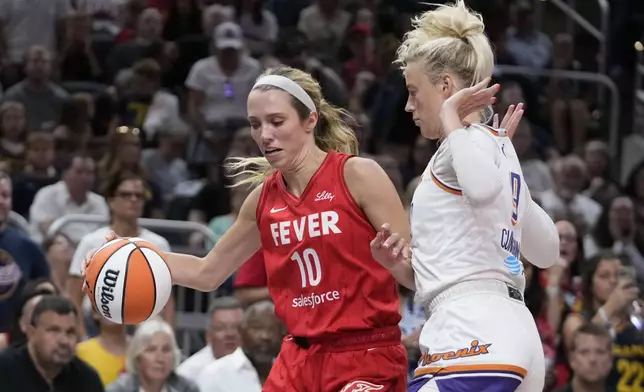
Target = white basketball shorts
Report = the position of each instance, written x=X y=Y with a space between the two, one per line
x=479 y=337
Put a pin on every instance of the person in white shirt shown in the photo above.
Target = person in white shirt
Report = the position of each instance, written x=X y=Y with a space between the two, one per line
x=126 y=195
x=71 y=195
x=226 y=315
x=472 y=217
x=217 y=90
x=247 y=368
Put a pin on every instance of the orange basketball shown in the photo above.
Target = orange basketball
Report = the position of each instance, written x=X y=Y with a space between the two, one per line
x=128 y=280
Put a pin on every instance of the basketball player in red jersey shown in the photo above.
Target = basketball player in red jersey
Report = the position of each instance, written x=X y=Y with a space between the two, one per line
x=313 y=211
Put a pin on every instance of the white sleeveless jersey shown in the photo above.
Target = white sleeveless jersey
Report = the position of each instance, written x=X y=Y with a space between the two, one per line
x=453 y=241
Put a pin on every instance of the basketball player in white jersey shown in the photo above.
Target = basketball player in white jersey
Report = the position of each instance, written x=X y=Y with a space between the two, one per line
x=471 y=217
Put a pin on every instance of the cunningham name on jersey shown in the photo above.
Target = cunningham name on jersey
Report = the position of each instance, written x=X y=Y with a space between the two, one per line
x=453 y=239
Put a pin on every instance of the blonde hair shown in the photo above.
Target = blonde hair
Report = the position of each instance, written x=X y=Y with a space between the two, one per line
x=332 y=133
x=450 y=38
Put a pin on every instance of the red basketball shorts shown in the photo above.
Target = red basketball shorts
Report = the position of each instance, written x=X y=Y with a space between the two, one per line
x=358 y=361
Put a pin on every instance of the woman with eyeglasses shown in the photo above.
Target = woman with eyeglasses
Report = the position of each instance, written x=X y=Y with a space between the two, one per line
x=124 y=155
x=126 y=195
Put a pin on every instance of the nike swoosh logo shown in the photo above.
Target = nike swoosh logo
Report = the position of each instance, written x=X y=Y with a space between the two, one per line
x=274 y=210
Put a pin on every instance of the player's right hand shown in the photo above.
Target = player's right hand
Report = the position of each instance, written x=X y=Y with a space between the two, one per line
x=88 y=257
x=389 y=248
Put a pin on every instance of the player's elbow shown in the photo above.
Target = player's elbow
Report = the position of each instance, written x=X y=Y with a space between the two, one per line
x=544 y=253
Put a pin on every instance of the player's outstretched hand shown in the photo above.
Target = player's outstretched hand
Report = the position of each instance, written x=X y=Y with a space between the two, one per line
x=465 y=102
x=389 y=248
x=510 y=121
x=88 y=257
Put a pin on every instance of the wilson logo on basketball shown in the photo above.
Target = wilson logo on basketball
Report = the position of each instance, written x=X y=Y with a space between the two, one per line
x=107 y=291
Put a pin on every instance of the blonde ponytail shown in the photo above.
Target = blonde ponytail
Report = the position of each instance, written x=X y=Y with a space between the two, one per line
x=332 y=133
x=450 y=38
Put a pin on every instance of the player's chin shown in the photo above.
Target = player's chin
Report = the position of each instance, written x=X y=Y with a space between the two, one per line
x=429 y=132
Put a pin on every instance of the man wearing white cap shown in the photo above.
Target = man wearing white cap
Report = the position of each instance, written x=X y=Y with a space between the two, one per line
x=218 y=87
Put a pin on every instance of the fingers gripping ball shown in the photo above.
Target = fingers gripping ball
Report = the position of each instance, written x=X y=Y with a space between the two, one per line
x=128 y=280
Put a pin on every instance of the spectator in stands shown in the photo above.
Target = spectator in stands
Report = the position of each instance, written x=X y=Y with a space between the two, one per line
x=569 y=112
x=607 y=298
x=38 y=171
x=590 y=360
x=226 y=315
x=124 y=155
x=601 y=187
x=258 y=24
x=635 y=190
x=71 y=195
x=537 y=173
x=148 y=38
x=59 y=250
x=362 y=55
x=164 y=164
x=105 y=353
x=23 y=25
x=324 y=23
x=143 y=104
x=525 y=44
x=21 y=260
x=183 y=19
x=31 y=294
x=78 y=62
x=220 y=224
x=13 y=133
x=294 y=50
x=213 y=198
x=47 y=362
x=42 y=98
x=74 y=128
x=566 y=201
x=152 y=358
x=247 y=368
x=125 y=194
x=243 y=144
x=616 y=231
x=218 y=87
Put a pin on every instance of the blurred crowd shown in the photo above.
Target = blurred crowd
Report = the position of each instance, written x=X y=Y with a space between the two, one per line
x=123 y=109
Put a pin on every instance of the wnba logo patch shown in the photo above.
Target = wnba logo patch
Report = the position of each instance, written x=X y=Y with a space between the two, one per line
x=362 y=386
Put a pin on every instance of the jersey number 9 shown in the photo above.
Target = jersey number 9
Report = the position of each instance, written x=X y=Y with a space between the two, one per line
x=515 y=181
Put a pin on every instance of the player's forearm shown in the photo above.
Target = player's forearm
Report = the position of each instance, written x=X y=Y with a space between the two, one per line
x=404 y=274
x=186 y=271
x=478 y=176
x=540 y=238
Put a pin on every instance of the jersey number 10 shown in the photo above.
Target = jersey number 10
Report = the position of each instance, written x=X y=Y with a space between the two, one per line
x=515 y=181
x=310 y=268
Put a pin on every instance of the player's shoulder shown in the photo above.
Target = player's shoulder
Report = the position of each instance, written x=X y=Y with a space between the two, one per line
x=358 y=168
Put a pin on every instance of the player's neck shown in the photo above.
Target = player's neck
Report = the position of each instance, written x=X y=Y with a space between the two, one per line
x=298 y=178
x=124 y=229
x=580 y=386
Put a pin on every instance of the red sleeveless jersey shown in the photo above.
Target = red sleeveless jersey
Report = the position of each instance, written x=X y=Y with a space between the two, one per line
x=321 y=274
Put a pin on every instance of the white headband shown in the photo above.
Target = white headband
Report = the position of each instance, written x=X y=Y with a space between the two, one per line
x=289 y=86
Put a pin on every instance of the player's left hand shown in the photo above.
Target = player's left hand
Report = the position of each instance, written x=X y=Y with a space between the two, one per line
x=389 y=248
x=510 y=121
x=465 y=102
